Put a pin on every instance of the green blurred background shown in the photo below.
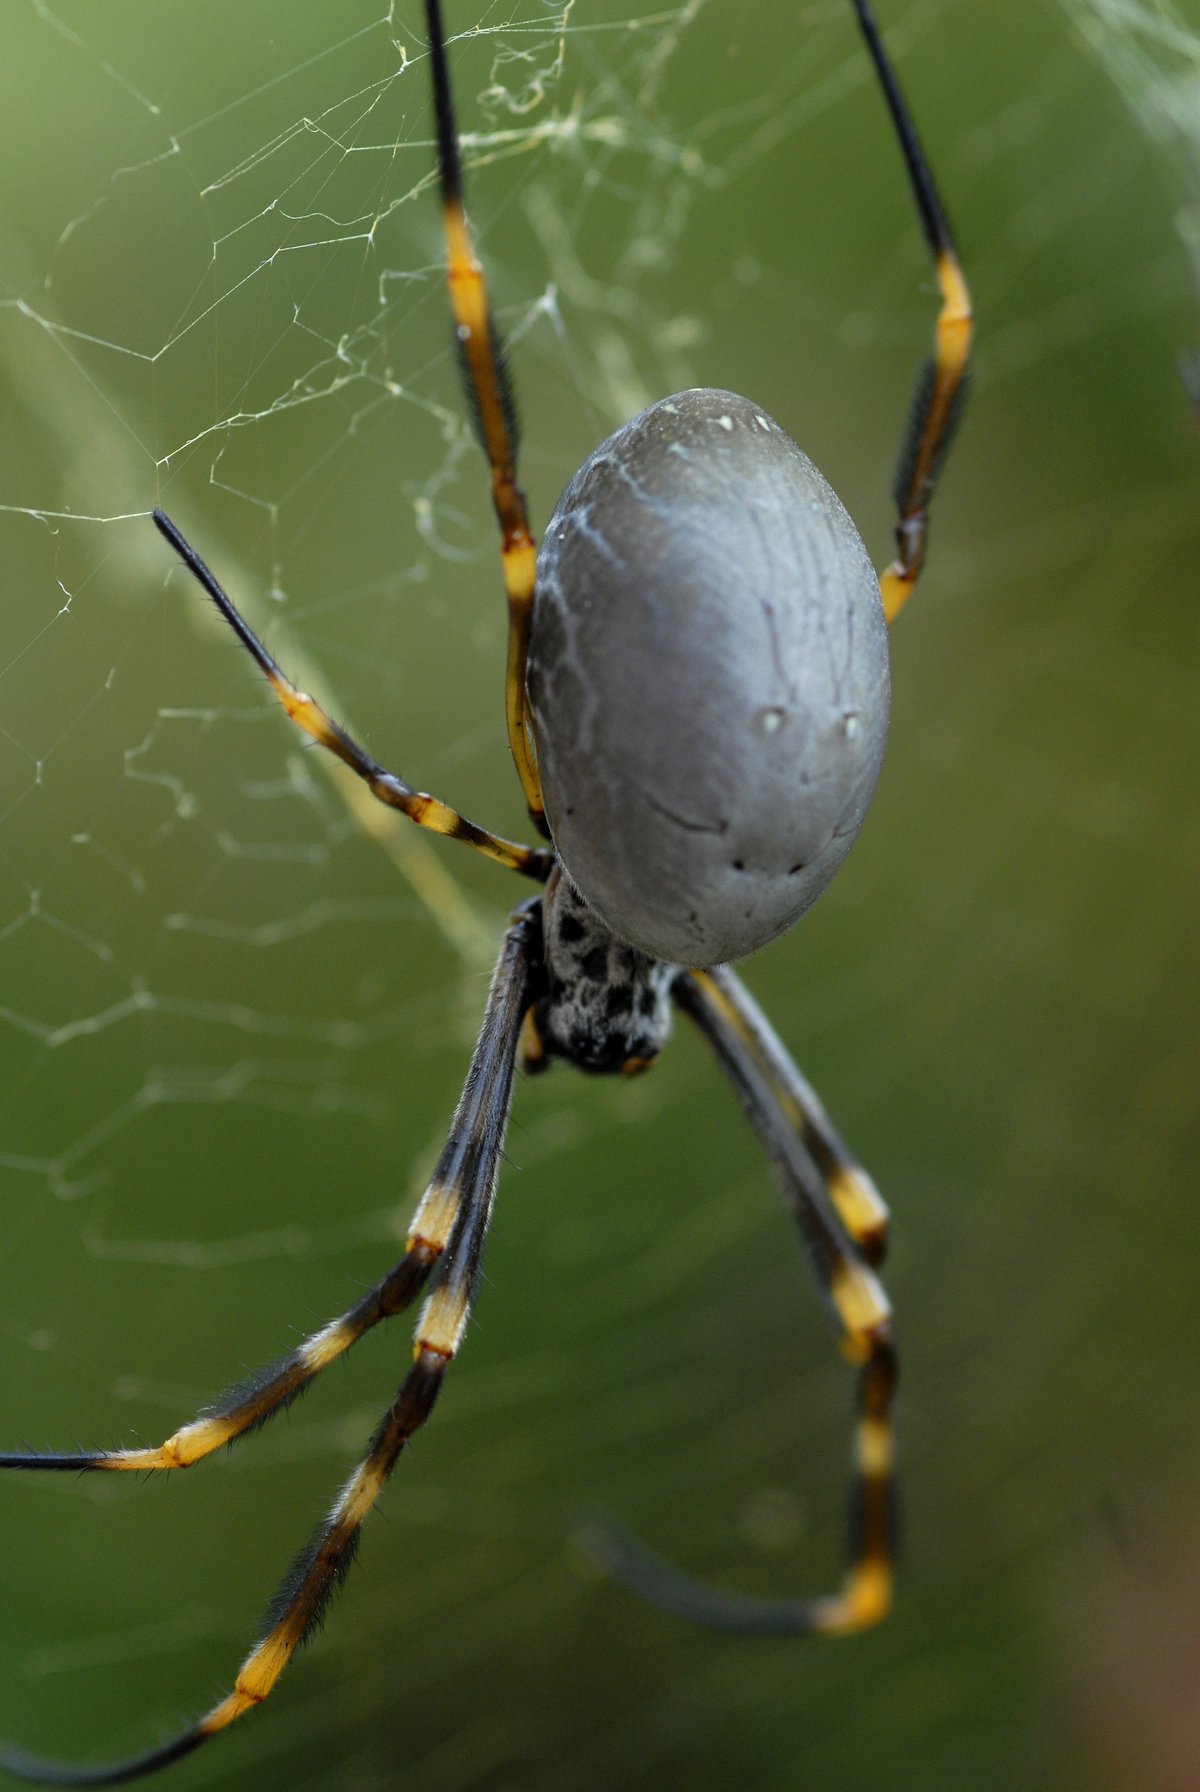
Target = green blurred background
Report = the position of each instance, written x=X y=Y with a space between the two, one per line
x=233 y=1025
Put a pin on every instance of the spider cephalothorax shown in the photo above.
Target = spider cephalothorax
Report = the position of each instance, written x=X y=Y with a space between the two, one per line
x=607 y=1006
x=697 y=665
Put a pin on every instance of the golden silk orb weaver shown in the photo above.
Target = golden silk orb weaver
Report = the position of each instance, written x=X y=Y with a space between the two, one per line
x=697 y=694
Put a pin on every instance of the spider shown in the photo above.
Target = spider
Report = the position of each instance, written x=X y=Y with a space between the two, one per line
x=696 y=703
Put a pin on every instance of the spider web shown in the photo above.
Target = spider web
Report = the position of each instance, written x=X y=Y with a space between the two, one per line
x=236 y=998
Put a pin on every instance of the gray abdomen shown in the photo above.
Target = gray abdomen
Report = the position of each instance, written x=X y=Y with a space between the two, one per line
x=708 y=676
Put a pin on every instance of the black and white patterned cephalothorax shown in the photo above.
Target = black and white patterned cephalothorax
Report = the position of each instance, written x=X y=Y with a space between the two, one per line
x=607 y=1006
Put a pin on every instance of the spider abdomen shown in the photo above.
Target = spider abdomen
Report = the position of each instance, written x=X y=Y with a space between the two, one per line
x=708 y=678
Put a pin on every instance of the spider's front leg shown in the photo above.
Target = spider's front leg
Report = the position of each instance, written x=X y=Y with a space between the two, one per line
x=457 y=1207
x=829 y=1197
x=859 y=1204
x=251 y=1402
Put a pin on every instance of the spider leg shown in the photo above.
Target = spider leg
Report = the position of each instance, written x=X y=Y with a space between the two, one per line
x=751 y=1057
x=940 y=389
x=859 y=1204
x=426 y=811
x=269 y=1390
x=489 y=390
x=466 y=1181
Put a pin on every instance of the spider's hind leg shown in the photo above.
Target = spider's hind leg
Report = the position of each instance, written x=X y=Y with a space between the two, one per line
x=489 y=393
x=941 y=384
x=426 y=811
